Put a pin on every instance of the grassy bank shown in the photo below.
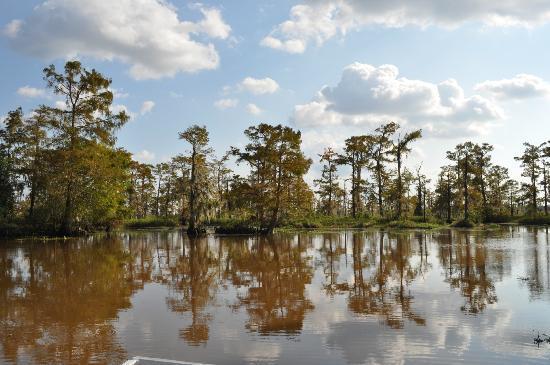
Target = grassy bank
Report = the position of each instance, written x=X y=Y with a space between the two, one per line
x=151 y=222
x=538 y=220
x=323 y=223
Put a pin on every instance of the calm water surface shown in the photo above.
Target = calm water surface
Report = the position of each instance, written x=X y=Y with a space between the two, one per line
x=337 y=298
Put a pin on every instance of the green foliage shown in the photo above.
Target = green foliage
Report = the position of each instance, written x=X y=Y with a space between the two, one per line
x=463 y=223
x=410 y=224
x=534 y=220
x=236 y=227
x=151 y=222
x=275 y=188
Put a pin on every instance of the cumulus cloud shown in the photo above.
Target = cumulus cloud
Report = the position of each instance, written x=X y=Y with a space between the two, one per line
x=253 y=109
x=147 y=107
x=223 y=104
x=119 y=93
x=369 y=95
x=148 y=35
x=12 y=28
x=144 y=156
x=522 y=86
x=117 y=108
x=31 y=92
x=259 y=86
x=316 y=21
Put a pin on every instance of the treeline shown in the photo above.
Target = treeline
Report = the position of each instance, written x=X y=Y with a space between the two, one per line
x=62 y=173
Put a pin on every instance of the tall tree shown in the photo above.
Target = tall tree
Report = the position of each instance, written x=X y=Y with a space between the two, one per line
x=481 y=165
x=198 y=138
x=35 y=143
x=445 y=192
x=11 y=140
x=463 y=157
x=328 y=183
x=545 y=165
x=357 y=154
x=86 y=117
x=531 y=169
x=399 y=150
x=381 y=149
x=277 y=168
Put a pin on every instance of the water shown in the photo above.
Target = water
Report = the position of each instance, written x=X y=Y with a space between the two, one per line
x=337 y=298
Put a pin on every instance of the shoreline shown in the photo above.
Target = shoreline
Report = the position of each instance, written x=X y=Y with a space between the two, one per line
x=214 y=229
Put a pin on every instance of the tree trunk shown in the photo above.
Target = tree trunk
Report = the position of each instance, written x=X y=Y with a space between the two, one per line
x=449 y=218
x=465 y=187
x=399 y=185
x=379 y=180
x=192 y=228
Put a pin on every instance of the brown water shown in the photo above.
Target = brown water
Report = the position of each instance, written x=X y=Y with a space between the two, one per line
x=337 y=298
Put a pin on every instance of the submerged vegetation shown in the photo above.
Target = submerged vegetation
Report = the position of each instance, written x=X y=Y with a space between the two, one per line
x=61 y=173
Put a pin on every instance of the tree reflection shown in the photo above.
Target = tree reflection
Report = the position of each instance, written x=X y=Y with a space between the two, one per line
x=332 y=248
x=274 y=275
x=382 y=274
x=57 y=301
x=466 y=264
x=193 y=286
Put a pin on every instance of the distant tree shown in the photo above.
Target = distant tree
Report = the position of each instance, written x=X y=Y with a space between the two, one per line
x=328 y=183
x=444 y=191
x=481 y=165
x=399 y=150
x=221 y=176
x=198 y=138
x=463 y=156
x=497 y=176
x=277 y=168
x=531 y=169
x=11 y=139
x=380 y=151
x=512 y=187
x=357 y=154
x=545 y=164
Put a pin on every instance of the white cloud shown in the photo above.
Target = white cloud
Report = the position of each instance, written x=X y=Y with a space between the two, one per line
x=119 y=93
x=147 y=107
x=253 y=109
x=316 y=21
x=223 y=104
x=117 y=108
x=144 y=156
x=31 y=92
x=146 y=34
x=259 y=86
x=213 y=24
x=12 y=28
x=369 y=95
x=522 y=86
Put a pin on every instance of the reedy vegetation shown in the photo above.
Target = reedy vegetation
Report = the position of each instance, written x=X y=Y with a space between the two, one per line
x=61 y=173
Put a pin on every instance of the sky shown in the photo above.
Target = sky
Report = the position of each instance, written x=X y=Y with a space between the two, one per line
x=459 y=70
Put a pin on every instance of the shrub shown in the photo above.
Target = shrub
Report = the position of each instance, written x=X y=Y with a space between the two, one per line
x=463 y=223
x=236 y=227
x=151 y=222
x=537 y=220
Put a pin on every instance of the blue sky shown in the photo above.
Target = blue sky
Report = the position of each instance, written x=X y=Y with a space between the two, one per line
x=459 y=70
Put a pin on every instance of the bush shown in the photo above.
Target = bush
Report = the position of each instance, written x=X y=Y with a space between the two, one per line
x=237 y=228
x=537 y=220
x=497 y=218
x=409 y=224
x=463 y=223
x=151 y=222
